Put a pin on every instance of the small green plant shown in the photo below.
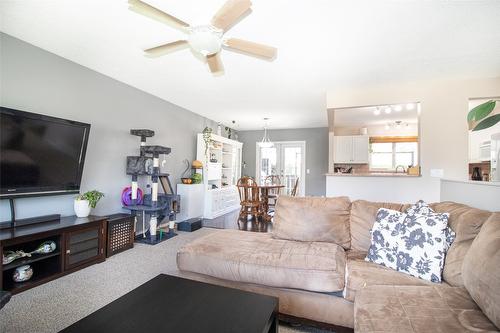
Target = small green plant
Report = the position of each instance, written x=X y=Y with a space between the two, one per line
x=478 y=117
x=93 y=197
x=197 y=178
x=207 y=137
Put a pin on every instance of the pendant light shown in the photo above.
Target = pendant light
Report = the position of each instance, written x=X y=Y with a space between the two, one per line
x=266 y=142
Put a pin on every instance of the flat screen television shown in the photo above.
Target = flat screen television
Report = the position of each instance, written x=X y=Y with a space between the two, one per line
x=40 y=155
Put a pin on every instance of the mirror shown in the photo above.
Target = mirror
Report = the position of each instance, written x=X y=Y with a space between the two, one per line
x=380 y=140
x=484 y=147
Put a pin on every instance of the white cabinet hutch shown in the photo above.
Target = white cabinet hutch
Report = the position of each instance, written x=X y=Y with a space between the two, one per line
x=221 y=171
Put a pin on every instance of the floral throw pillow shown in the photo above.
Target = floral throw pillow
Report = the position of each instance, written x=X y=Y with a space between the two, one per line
x=412 y=244
x=423 y=208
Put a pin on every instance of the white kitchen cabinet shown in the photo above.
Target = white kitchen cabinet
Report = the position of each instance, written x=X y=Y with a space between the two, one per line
x=478 y=139
x=351 y=149
x=343 y=149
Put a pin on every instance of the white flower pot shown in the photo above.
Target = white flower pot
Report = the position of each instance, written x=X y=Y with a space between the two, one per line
x=82 y=208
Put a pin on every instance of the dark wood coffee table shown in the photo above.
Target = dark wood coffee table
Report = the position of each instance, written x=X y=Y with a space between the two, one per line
x=172 y=304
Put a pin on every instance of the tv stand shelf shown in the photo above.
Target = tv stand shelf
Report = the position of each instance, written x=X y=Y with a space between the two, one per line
x=80 y=242
x=28 y=260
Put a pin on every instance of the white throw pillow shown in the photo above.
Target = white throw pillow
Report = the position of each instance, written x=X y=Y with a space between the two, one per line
x=412 y=244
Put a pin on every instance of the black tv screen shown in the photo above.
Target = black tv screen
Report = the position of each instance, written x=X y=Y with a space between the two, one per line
x=40 y=155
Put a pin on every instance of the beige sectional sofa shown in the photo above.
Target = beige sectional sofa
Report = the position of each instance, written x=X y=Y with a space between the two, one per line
x=313 y=261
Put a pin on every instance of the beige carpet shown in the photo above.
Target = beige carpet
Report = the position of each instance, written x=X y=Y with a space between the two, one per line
x=59 y=303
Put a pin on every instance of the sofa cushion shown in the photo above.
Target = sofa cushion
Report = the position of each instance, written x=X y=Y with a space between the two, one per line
x=363 y=215
x=412 y=244
x=466 y=222
x=258 y=258
x=481 y=269
x=313 y=219
x=361 y=274
x=419 y=309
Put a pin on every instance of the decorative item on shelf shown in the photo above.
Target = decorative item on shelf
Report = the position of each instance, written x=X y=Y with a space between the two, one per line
x=213 y=158
x=482 y=116
x=207 y=138
x=413 y=170
x=224 y=166
x=127 y=196
x=10 y=256
x=197 y=164
x=266 y=142
x=476 y=174
x=186 y=175
x=229 y=132
x=84 y=202
x=45 y=247
x=219 y=129
x=214 y=187
x=486 y=177
x=22 y=273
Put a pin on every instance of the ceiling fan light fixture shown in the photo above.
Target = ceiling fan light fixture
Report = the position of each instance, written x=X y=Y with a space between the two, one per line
x=205 y=39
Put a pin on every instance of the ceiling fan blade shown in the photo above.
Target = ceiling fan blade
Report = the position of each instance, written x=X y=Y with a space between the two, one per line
x=251 y=48
x=230 y=13
x=215 y=63
x=166 y=48
x=140 y=7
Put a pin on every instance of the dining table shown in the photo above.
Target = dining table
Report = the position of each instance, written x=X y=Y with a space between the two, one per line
x=264 y=195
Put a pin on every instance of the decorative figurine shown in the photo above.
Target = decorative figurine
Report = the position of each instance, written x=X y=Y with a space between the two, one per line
x=45 y=247
x=10 y=256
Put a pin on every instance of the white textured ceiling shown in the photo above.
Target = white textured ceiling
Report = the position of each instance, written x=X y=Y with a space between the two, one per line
x=322 y=44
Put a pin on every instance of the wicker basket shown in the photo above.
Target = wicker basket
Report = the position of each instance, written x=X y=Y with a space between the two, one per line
x=120 y=233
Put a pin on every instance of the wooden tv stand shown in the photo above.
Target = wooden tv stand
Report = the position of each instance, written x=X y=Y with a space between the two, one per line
x=80 y=243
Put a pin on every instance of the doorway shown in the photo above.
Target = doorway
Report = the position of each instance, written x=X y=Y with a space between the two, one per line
x=286 y=159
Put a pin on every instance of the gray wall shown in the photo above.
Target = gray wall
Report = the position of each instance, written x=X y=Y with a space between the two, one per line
x=316 y=153
x=38 y=81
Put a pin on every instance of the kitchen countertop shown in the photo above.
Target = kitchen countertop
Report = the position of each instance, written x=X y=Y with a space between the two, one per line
x=371 y=174
x=468 y=181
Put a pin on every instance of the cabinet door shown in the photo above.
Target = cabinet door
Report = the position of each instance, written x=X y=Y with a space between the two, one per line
x=360 y=149
x=84 y=246
x=343 y=149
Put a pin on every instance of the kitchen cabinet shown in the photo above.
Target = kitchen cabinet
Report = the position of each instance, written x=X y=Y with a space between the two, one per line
x=351 y=149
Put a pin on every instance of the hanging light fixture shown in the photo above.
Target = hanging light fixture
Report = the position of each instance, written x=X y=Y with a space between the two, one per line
x=266 y=142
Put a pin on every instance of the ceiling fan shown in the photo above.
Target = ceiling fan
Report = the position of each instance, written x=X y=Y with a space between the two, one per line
x=207 y=40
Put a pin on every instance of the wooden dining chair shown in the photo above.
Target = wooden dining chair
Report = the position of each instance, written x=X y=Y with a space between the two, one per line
x=249 y=198
x=274 y=193
x=295 y=190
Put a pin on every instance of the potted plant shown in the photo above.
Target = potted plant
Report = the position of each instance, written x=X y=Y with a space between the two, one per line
x=84 y=202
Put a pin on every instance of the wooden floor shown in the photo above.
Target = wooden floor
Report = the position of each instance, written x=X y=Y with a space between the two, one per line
x=231 y=221
x=252 y=225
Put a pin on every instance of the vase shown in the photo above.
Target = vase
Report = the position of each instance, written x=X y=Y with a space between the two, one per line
x=476 y=174
x=82 y=208
x=22 y=273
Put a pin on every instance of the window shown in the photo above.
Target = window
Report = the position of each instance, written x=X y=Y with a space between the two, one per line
x=388 y=155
